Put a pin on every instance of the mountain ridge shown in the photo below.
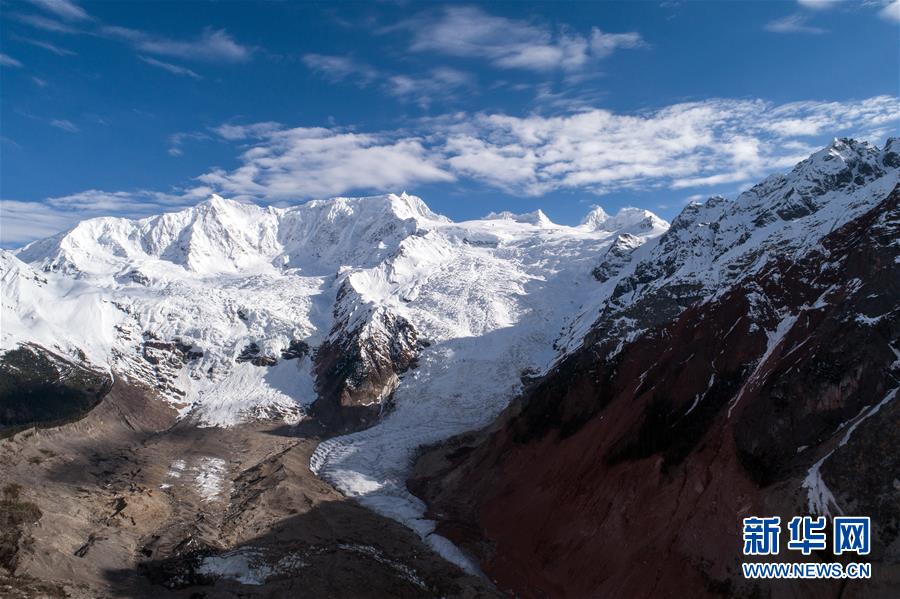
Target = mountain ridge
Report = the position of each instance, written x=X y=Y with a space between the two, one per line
x=365 y=312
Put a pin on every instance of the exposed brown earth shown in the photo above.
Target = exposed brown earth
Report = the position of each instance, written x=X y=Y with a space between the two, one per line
x=130 y=503
x=627 y=474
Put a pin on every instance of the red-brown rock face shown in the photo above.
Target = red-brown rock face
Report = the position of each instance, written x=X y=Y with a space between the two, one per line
x=627 y=474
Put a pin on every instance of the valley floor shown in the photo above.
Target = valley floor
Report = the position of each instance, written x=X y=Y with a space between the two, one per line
x=134 y=505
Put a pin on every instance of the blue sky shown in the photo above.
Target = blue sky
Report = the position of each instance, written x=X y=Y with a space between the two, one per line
x=132 y=108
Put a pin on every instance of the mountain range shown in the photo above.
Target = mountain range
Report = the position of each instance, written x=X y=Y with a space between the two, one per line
x=563 y=411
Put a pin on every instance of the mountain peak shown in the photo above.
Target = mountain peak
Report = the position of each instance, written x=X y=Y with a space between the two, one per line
x=626 y=220
x=841 y=152
x=536 y=217
x=595 y=218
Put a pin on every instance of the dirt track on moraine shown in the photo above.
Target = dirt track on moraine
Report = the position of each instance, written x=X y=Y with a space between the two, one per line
x=132 y=503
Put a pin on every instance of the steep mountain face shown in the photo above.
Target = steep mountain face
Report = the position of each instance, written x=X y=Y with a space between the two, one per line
x=746 y=363
x=205 y=304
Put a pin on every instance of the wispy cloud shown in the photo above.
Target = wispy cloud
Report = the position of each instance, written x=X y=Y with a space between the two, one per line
x=604 y=44
x=440 y=83
x=177 y=141
x=340 y=68
x=213 y=45
x=818 y=4
x=63 y=8
x=891 y=11
x=9 y=61
x=232 y=132
x=26 y=221
x=49 y=47
x=684 y=145
x=469 y=32
x=46 y=24
x=65 y=125
x=689 y=145
x=172 y=68
x=39 y=82
x=421 y=89
x=796 y=23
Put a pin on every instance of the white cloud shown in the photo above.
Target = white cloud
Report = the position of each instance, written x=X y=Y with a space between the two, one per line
x=96 y=201
x=64 y=125
x=238 y=132
x=213 y=45
x=891 y=11
x=441 y=83
x=25 y=221
x=698 y=144
x=304 y=162
x=438 y=83
x=39 y=82
x=605 y=44
x=9 y=61
x=63 y=9
x=685 y=145
x=172 y=68
x=792 y=24
x=469 y=32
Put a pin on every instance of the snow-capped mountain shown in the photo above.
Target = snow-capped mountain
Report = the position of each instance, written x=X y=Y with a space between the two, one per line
x=713 y=244
x=235 y=312
x=394 y=324
x=237 y=286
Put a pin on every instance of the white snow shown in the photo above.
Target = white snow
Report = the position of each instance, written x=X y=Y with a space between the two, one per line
x=819 y=497
x=210 y=478
x=245 y=565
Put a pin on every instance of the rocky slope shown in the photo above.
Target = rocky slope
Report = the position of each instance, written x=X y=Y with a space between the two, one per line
x=130 y=502
x=746 y=364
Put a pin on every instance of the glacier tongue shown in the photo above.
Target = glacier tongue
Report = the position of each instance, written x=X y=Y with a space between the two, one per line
x=492 y=311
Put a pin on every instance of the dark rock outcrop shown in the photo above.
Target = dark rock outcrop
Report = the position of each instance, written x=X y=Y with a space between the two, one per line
x=253 y=354
x=39 y=387
x=359 y=365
